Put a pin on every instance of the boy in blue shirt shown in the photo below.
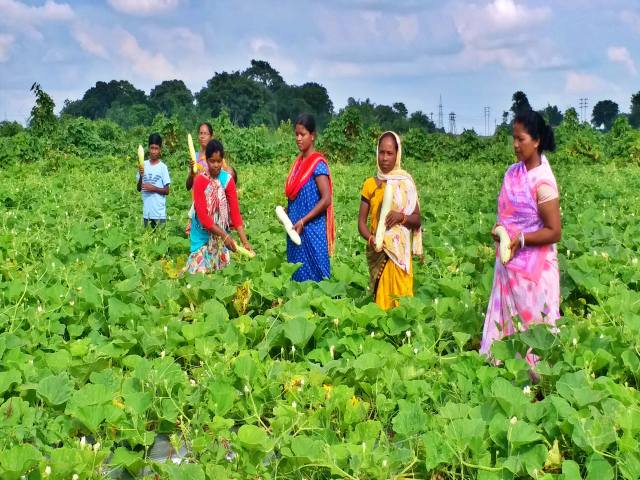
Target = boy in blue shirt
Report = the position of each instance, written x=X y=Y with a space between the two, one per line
x=153 y=182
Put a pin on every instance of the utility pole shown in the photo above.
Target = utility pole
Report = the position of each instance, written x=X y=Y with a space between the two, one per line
x=452 y=123
x=440 y=116
x=431 y=116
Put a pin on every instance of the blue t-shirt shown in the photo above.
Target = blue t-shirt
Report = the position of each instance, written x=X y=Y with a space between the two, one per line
x=154 y=205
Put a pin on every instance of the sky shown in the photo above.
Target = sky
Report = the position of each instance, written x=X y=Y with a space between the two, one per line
x=474 y=54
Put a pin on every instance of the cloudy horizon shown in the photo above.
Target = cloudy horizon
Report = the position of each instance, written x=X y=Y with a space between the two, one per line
x=475 y=54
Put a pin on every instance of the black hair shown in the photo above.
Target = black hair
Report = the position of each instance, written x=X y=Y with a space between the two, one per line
x=391 y=136
x=208 y=125
x=307 y=121
x=155 y=139
x=535 y=126
x=214 y=146
x=234 y=174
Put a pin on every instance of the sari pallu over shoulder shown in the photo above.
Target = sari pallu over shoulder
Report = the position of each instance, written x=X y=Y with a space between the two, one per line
x=300 y=173
x=400 y=242
x=518 y=213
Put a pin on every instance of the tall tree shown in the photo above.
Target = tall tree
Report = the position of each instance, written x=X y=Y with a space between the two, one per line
x=520 y=103
x=421 y=120
x=170 y=97
x=239 y=95
x=552 y=115
x=98 y=99
x=604 y=114
x=42 y=118
x=401 y=109
x=262 y=72
x=634 y=116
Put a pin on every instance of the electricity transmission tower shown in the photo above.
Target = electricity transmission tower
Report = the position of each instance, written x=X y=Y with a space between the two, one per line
x=487 y=119
x=440 y=116
x=452 y=123
x=584 y=102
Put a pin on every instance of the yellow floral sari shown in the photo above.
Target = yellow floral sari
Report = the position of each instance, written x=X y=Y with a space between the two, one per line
x=391 y=270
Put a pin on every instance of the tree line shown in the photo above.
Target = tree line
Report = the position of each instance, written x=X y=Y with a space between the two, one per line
x=256 y=96
x=603 y=115
x=259 y=95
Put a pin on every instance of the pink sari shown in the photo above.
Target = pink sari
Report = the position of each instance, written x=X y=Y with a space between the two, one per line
x=528 y=286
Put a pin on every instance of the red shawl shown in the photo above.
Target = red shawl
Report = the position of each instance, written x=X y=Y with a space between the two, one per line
x=300 y=173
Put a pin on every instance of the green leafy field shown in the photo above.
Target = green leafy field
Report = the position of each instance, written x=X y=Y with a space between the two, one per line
x=104 y=353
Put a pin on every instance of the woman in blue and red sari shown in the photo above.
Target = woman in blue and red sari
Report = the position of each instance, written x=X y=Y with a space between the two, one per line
x=216 y=211
x=310 y=207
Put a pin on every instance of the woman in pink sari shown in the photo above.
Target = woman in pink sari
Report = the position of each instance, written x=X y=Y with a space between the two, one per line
x=526 y=289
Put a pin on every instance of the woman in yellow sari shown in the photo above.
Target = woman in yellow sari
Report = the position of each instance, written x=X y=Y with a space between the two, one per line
x=390 y=269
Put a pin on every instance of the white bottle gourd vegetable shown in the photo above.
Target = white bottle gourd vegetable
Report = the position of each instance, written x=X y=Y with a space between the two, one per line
x=288 y=226
x=192 y=153
x=141 y=156
x=243 y=251
x=505 y=244
x=387 y=202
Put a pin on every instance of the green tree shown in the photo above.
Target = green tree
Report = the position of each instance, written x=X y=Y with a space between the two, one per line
x=401 y=109
x=552 y=115
x=242 y=97
x=422 y=121
x=128 y=116
x=42 y=118
x=171 y=97
x=9 y=129
x=98 y=99
x=262 y=72
x=634 y=116
x=604 y=114
x=520 y=103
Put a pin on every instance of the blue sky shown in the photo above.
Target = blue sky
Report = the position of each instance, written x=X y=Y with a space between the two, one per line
x=473 y=53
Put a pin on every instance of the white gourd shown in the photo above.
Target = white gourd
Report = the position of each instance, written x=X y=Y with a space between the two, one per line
x=141 y=156
x=288 y=226
x=505 y=244
x=192 y=153
x=240 y=249
x=387 y=202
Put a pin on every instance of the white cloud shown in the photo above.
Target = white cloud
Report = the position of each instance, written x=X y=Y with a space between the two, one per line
x=6 y=41
x=581 y=83
x=265 y=48
x=23 y=18
x=506 y=33
x=631 y=18
x=622 y=55
x=143 y=62
x=144 y=7
x=408 y=27
x=89 y=43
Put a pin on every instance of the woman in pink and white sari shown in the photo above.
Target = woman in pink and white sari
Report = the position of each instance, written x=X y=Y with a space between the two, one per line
x=526 y=290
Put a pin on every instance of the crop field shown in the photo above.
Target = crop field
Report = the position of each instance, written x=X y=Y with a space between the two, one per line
x=113 y=366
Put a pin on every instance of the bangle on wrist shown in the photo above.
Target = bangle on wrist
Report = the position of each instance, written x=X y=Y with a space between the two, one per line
x=521 y=240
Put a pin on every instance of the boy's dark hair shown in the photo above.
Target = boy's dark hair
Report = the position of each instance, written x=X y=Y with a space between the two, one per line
x=535 y=126
x=155 y=139
x=214 y=146
x=307 y=121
